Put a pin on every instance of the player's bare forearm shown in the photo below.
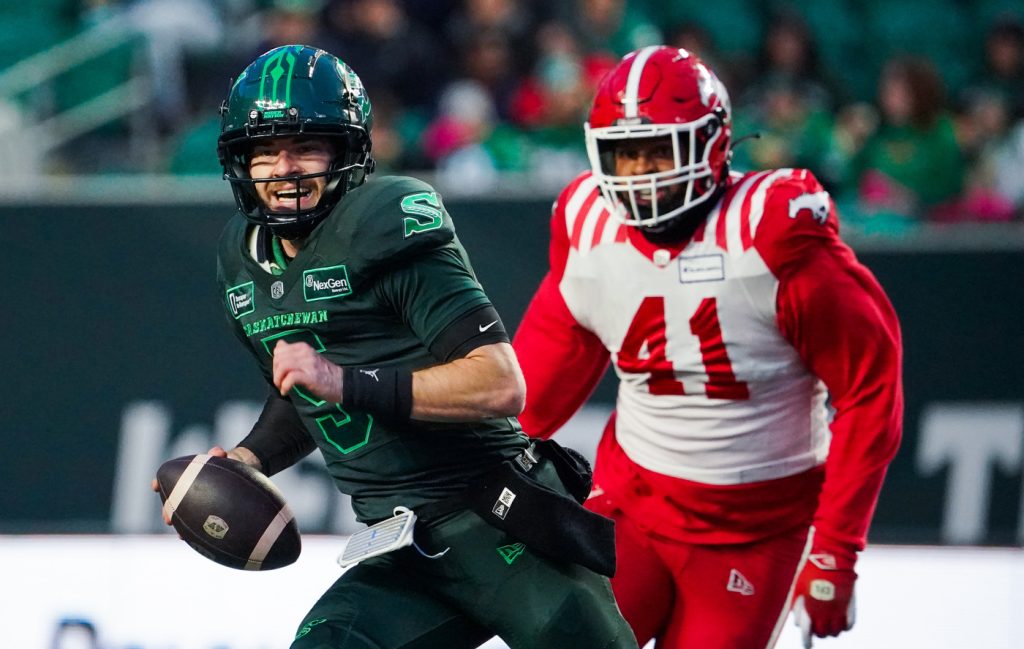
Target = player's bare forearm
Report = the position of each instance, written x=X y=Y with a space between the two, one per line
x=486 y=383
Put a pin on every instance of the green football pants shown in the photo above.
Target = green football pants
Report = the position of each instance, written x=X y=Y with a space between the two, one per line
x=486 y=584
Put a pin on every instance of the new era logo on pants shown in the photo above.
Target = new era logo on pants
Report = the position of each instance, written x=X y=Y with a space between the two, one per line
x=739 y=584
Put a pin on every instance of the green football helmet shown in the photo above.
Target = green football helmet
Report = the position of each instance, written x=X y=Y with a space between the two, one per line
x=288 y=91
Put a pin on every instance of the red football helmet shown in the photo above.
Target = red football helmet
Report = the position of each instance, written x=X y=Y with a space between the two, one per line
x=661 y=92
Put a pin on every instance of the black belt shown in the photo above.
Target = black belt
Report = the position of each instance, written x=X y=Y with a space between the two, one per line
x=525 y=462
x=547 y=521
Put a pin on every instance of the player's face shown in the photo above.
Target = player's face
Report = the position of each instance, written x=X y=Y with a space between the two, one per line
x=640 y=156
x=290 y=156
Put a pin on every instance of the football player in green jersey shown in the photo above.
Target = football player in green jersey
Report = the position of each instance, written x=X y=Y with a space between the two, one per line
x=382 y=351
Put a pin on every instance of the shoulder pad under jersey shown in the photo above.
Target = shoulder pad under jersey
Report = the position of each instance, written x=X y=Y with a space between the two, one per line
x=229 y=255
x=793 y=212
x=385 y=220
x=796 y=201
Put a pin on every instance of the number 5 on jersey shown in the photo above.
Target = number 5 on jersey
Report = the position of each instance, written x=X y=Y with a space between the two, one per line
x=345 y=432
x=647 y=330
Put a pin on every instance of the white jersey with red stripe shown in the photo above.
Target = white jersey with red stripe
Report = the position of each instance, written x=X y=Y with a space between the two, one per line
x=710 y=389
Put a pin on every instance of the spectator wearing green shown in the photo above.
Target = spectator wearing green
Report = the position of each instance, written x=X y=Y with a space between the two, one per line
x=791 y=132
x=912 y=166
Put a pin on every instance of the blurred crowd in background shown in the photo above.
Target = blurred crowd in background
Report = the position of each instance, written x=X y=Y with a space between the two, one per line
x=908 y=112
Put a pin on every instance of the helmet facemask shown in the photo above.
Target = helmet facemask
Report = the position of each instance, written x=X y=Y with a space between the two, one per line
x=652 y=199
x=347 y=170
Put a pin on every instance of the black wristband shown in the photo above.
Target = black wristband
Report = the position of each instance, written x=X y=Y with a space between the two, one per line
x=382 y=391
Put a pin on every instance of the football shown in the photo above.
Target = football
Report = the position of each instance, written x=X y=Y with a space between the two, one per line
x=229 y=512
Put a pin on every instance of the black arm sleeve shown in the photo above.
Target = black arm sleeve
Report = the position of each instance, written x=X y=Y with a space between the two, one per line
x=278 y=438
x=479 y=327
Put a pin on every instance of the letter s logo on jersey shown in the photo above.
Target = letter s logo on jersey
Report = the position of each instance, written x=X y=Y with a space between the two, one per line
x=817 y=203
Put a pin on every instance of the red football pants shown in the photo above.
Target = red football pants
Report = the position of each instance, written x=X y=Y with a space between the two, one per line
x=692 y=596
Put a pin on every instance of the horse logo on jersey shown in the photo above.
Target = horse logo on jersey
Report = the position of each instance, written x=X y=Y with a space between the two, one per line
x=817 y=203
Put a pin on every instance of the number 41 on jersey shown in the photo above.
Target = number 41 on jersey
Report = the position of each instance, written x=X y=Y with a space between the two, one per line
x=648 y=330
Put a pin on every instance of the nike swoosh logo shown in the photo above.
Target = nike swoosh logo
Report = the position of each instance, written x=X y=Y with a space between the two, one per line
x=484 y=328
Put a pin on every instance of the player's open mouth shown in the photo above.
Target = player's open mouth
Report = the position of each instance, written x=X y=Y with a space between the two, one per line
x=292 y=197
x=646 y=196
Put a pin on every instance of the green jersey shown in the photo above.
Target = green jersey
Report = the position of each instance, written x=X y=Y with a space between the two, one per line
x=376 y=284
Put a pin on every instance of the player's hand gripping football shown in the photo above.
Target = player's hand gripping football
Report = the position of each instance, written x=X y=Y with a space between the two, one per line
x=299 y=364
x=239 y=453
x=823 y=600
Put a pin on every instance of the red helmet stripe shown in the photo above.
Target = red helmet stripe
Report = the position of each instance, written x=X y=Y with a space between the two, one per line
x=631 y=95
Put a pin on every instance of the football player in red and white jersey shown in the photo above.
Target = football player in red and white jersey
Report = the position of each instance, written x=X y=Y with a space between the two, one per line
x=734 y=316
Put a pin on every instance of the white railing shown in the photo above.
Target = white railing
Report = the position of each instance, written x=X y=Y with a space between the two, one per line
x=28 y=138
